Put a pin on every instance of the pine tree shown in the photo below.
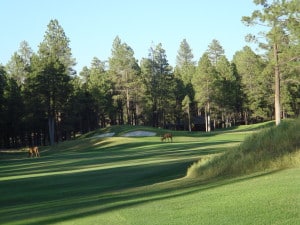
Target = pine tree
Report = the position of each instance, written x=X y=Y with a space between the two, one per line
x=124 y=71
x=3 y=84
x=255 y=83
x=50 y=80
x=186 y=106
x=225 y=89
x=215 y=51
x=14 y=111
x=99 y=86
x=56 y=44
x=204 y=83
x=185 y=66
x=160 y=85
x=18 y=67
x=281 y=17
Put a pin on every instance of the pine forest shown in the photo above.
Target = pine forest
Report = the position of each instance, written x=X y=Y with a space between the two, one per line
x=43 y=100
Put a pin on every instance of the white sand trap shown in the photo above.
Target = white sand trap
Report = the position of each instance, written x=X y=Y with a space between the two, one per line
x=139 y=134
x=104 y=135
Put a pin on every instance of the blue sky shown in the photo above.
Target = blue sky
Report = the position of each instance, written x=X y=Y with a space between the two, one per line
x=92 y=25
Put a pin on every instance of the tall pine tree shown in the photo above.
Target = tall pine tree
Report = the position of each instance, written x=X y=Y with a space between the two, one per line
x=281 y=17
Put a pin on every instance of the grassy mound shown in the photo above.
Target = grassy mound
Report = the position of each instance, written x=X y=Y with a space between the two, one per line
x=272 y=148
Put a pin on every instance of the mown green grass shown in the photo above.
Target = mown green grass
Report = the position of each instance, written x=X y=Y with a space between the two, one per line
x=140 y=180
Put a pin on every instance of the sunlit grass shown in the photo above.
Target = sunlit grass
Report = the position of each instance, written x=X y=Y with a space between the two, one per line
x=272 y=148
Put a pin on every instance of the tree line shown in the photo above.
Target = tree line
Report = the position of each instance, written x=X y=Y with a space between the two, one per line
x=43 y=100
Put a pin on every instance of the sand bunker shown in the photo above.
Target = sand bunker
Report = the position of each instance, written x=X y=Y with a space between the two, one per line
x=139 y=134
x=129 y=134
x=104 y=135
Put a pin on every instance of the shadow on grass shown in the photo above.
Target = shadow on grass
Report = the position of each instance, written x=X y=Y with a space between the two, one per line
x=100 y=159
x=93 y=177
x=87 y=201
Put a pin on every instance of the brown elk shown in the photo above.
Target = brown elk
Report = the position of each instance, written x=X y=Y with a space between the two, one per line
x=33 y=151
x=167 y=136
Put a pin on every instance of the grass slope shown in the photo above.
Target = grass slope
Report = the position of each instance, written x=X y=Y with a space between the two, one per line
x=140 y=180
x=273 y=148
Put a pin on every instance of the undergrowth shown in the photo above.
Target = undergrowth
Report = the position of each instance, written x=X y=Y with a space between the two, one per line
x=272 y=148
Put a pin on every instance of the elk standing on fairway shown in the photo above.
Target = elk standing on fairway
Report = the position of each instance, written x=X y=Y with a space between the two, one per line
x=33 y=151
x=167 y=136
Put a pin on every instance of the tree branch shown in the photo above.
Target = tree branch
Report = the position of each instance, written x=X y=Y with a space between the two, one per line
x=291 y=59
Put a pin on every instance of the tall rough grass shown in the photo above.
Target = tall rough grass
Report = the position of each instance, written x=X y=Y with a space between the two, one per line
x=272 y=148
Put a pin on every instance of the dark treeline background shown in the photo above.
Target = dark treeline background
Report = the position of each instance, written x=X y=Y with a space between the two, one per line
x=43 y=100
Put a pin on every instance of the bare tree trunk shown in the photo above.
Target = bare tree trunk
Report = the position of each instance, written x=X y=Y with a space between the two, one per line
x=51 y=129
x=277 y=85
x=205 y=115
x=208 y=117
x=246 y=118
x=128 y=107
x=189 y=117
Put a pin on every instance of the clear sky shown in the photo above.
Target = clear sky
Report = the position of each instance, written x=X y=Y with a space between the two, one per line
x=92 y=25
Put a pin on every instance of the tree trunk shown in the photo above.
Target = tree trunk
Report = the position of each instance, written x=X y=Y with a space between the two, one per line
x=205 y=115
x=208 y=117
x=246 y=118
x=128 y=107
x=189 y=117
x=51 y=129
x=277 y=85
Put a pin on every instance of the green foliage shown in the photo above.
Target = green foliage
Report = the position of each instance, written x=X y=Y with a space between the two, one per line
x=281 y=18
x=152 y=92
x=215 y=51
x=226 y=86
x=204 y=81
x=50 y=78
x=124 y=73
x=160 y=87
x=56 y=43
x=185 y=66
x=256 y=83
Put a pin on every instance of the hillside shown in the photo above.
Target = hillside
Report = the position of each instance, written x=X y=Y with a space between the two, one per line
x=273 y=148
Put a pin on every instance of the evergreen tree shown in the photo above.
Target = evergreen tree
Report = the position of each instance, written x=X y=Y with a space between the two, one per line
x=56 y=43
x=255 y=81
x=85 y=74
x=160 y=87
x=3 y=83
x=225 y=90
x=13 y=114
x=185 y=66
x=50 y=79
x=204 y=83
x=99 y=85
x=215 y=51
x=82 y=112
x=186 y=106
x=50 y=85
x=124 y=70
x=282 y=18
x=18 y=67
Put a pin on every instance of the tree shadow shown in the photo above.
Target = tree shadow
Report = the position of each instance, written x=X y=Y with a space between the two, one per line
x=84 y=180
x=87 y=200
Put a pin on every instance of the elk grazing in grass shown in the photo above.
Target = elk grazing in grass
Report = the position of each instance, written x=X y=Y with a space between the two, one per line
x=33 y=151
x=167 y=136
